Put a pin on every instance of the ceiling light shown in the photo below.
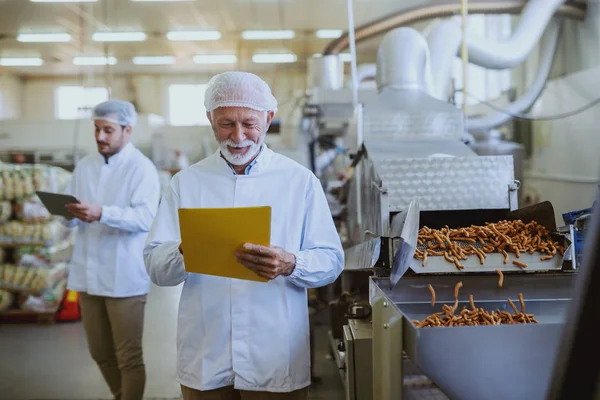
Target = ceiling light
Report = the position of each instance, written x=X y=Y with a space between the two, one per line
x=119 y=36
x=43 y=37
x=329 y=33
x=154 y=60
x=63 y=1
x=267 y=35
x=94 y=60
x=156 y=1
x=215 y=59
x=21 y=62
x=274 y=58
x=194 y=35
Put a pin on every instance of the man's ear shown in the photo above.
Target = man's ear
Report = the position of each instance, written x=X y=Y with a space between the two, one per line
x=127 y=130
x=270 y=115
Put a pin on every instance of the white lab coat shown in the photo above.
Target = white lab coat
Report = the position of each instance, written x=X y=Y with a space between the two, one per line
x=252 y=335
x=108 y=256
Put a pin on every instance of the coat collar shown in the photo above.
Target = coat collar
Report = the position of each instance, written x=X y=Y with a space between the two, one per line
x=120 y=156
x=258 y=164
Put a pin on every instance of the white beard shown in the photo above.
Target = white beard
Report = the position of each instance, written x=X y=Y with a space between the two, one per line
x=239 y=159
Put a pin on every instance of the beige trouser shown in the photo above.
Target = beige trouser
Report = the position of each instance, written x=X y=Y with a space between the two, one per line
x=229 y=393
x=114 y=328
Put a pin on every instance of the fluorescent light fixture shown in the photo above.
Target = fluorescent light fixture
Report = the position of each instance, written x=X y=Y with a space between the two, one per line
x=329 y=33
x=63 y=1
x=154 y=60
x=193 y=35
x=21 y=62
x=215 y=59
x=43 y=37
x=268 y=35
x=274 y=58
x=119 y=37
x=94 y=60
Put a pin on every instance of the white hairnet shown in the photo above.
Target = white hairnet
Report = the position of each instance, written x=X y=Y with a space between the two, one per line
x=239 y=89
x=116 y=111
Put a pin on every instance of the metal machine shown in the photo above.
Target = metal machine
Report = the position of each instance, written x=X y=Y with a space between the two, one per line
x=410 y=169
x=328 y=111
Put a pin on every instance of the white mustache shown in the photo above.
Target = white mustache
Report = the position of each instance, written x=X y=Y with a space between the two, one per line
x=245 y=143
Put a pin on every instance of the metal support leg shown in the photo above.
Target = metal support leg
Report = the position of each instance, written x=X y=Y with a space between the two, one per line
x=387 y=351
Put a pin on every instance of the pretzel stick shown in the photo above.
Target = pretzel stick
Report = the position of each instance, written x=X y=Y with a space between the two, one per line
x=424 y=258
x=432 y=295
x=501 y=279
x=520 y=264
x=520 y=295
x=513 y=306
x=471 y=302
x=505 y=256
x=447 y=257
x=458 y=264
x=457 y=288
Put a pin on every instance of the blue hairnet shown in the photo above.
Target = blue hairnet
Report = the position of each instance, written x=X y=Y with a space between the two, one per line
x=116 y=111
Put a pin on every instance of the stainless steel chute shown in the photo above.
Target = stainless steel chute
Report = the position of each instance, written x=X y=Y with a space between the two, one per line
x=480 y=362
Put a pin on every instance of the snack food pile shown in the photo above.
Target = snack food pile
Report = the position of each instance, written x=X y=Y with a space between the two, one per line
x=503 y=237
x=474 y=316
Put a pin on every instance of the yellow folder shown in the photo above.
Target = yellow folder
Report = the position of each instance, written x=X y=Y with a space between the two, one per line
x=210 y=237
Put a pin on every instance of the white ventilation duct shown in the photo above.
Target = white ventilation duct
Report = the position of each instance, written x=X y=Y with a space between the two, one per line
x=524 y=103
x=445 y=41
x=403 y=62
x=326 y=72
x=512 y=52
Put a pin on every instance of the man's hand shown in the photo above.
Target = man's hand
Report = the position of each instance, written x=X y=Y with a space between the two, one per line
x=268 y=262
x=85 y=212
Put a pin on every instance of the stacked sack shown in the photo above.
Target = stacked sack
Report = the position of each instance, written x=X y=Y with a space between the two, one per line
x=31 y=278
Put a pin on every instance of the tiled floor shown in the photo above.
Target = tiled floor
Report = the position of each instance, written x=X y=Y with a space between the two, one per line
x=52 y=362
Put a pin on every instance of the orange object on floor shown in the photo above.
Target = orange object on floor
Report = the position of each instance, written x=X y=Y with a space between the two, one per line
x=69 y=308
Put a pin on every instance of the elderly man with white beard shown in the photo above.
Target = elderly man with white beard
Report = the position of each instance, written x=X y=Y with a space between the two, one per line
x=241 y=339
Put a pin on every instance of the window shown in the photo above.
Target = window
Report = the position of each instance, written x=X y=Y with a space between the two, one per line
x=74 y=102
x=186 y=105
x=484 y=83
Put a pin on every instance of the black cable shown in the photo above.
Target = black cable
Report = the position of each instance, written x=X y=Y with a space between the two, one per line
x=532 y=118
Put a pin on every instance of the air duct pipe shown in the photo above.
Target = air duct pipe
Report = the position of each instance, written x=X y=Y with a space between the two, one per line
x=403 y=62
x=512 y=52
x=445 y=41
x=444 y=44
x=325 y=72
x=446 y=8
x=548 y=51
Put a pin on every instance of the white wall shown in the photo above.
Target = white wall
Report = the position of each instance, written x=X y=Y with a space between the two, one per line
x=150 y=94
x=565 y=166
x=10 y=96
